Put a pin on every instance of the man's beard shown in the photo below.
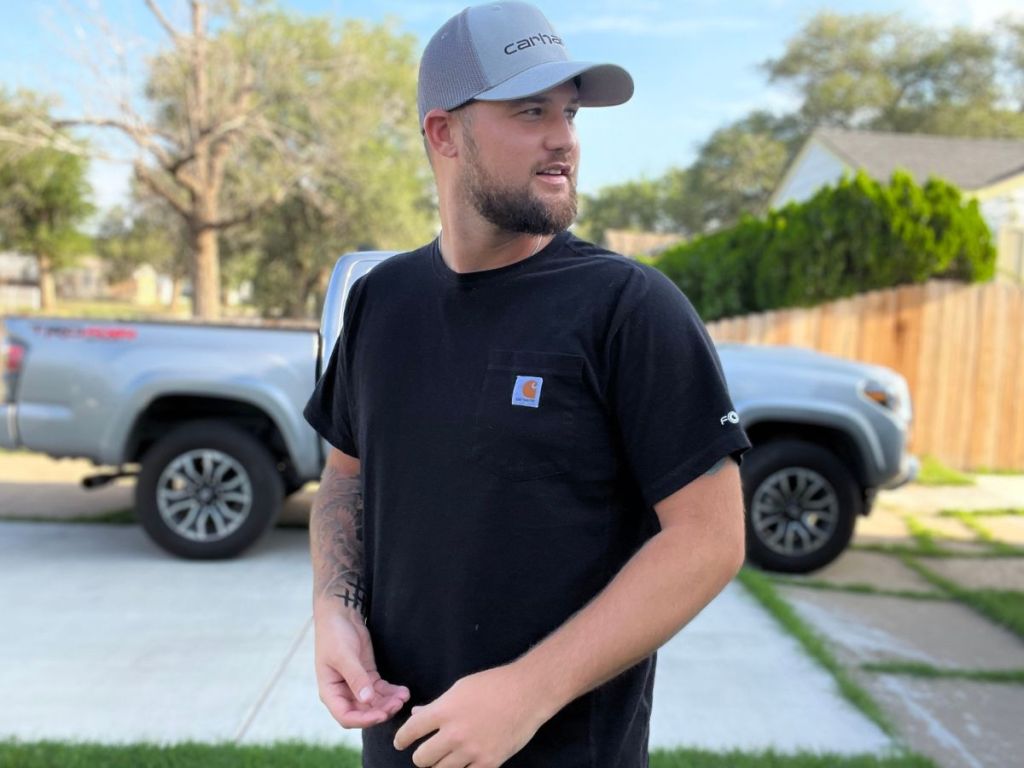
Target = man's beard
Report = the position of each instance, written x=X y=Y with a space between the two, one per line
x=514 y=209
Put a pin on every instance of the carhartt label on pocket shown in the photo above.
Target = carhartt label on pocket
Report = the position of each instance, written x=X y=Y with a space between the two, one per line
x=527 y=391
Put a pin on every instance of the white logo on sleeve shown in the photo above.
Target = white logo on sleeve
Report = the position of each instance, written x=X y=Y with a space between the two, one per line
x=732 y=417
x=527 y=391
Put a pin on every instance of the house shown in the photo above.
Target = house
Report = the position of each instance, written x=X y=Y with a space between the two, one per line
x=85 y=280
x=635 y=243
x=19 y=282
x=988 y=170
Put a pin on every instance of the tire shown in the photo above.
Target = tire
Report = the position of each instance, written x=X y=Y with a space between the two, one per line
x=801 y=505
x=208 y=490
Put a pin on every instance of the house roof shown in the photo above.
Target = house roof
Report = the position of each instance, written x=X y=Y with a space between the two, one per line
x=970 y=164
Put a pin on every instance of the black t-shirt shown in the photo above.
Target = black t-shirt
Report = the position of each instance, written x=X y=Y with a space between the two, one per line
x=515 y=427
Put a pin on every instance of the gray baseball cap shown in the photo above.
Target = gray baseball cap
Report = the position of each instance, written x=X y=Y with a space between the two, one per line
x=504 y=51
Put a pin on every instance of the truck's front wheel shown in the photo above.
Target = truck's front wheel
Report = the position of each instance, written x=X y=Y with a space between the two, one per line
x=207 y=490
x=802 y=504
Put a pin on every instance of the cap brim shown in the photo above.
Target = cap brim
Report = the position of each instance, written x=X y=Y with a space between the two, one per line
x=601 y=85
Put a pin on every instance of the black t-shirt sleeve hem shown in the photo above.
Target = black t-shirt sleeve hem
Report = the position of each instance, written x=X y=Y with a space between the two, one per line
x=326 y=430
x=734 y=444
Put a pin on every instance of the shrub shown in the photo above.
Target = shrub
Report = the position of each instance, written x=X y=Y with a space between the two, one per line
x=859 y=235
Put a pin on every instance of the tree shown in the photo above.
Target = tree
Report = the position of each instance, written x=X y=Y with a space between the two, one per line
x=866 y=71
x=734 y=173
x=148 y=232
x=883 y=73
x=737 y=169
x=371 y=187
x=1012 y=56
x=44 y=194
x=237 y=118
x=632 y=205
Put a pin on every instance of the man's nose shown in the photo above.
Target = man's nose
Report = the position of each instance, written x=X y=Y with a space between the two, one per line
x=561 y=135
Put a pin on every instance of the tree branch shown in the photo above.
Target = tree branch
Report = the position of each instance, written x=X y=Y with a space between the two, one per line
x=143 y=139
x=45 y=140
x=157 y=188
x=134 y=132
x=168 y=27
x=243 y=218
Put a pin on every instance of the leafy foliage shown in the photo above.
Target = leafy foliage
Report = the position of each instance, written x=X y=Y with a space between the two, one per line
x=857 y=236
x=885 y=73
x=149 y=232
x=254 y=113
x=366 y=182
x=632 y=205
x=856 y=71
x=44 y=193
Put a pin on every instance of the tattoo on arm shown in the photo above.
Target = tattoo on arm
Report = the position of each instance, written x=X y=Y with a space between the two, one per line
x=336 y=540
x=353 y=595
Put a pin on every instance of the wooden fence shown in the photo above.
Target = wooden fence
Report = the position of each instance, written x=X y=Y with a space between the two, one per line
x=960 y=347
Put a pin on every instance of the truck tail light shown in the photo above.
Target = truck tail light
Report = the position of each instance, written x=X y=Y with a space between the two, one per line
x=15 y=357
x=12 y=354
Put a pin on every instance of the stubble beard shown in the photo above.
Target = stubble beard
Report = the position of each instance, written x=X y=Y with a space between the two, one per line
x=514 y=209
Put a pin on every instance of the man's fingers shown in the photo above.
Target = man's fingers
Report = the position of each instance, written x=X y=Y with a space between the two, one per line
x=389 y=690
x=454 y=760
x=360 y=681
x=352 y=714
x=392 y=706
x=432 y=751
x=422 y=722
x=357 y=719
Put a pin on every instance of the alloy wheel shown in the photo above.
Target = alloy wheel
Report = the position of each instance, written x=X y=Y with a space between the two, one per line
x=794 y=511
x=204 y=495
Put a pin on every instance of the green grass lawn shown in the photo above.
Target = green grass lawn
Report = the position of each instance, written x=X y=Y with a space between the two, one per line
x=934 y=472
x=107 y=310
x=289 y=755
x=916 y=669
x=1004 y=607
x=973 y=513
x=760 y=586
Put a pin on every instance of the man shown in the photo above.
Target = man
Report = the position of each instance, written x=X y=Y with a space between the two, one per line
x=535 y=482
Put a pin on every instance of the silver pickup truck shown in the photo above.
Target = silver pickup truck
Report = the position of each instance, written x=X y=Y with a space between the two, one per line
x=210 y=420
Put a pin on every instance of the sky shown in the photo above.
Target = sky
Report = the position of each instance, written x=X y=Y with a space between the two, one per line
x=695 y=63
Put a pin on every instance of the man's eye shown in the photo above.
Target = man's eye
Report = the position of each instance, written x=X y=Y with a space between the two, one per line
x=532 y=111
x=571 y=113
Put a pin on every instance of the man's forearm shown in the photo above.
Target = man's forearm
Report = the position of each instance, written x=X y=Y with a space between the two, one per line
x=659 y=590
x=336 y=542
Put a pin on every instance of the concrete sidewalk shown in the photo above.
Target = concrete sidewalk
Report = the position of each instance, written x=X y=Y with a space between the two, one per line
x=107 y=638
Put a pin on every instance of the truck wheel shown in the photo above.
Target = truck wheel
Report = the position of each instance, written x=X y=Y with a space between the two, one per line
x=207 y=490
x=802 y=504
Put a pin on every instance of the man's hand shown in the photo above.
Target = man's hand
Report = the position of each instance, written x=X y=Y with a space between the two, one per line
x=483 y=720
x=346 y=673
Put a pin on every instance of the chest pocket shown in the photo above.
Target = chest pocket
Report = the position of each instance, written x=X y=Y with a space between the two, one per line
x=525 y=421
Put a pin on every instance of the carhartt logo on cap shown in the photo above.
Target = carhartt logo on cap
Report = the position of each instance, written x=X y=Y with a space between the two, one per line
x=532 y=40
x=527 y=391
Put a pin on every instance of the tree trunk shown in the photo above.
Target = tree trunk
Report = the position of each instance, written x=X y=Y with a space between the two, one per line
x=205 y=275
x=175 y=292
x=47 y=284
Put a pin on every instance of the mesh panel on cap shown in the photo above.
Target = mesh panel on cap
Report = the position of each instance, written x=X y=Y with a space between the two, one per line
x=450 y=71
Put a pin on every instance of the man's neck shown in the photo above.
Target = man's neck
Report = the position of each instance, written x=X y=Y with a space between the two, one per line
x=473 y=245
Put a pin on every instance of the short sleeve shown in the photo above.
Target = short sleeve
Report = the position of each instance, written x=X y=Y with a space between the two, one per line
x=667 y=389
x=329 y=410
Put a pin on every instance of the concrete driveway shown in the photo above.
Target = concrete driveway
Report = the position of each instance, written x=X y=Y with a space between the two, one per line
x=107 y=638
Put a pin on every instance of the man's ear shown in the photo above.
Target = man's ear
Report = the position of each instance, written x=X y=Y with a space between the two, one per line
x=439 y=127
